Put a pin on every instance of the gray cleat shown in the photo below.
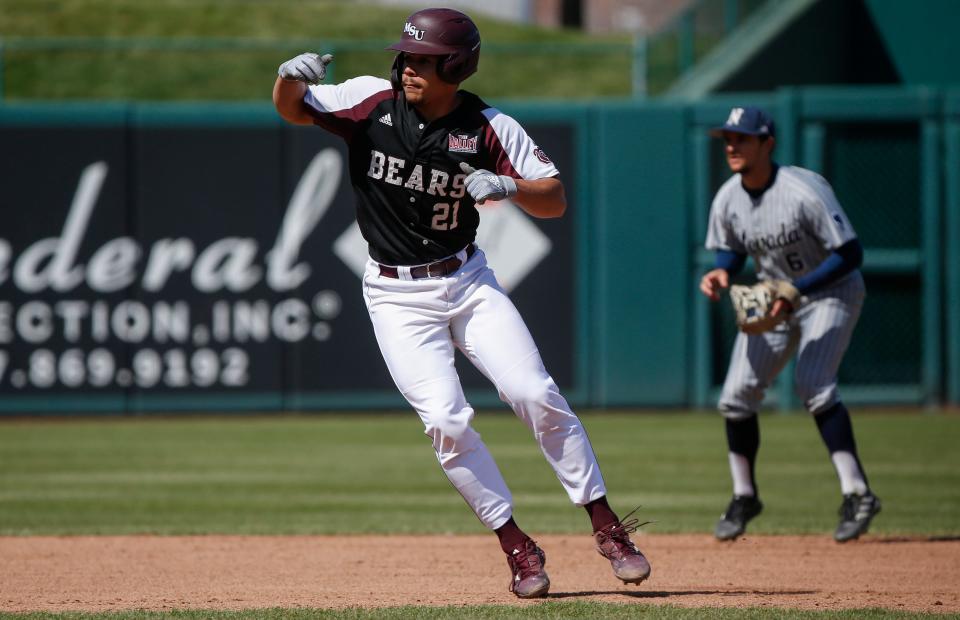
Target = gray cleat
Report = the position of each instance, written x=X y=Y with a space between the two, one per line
x=856 y=512
x=734 y=521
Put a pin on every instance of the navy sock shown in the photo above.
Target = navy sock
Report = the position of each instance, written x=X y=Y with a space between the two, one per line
x=837 y=433
x=743 y=438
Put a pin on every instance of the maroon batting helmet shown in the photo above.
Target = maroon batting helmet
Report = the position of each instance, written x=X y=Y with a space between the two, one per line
x=446 y=33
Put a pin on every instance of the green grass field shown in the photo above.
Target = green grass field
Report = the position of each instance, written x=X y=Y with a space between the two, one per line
x=178 y=50
x=357 y=473
x=377 y=474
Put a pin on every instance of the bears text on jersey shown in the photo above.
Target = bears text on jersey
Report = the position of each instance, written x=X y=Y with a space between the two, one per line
x=392 y=170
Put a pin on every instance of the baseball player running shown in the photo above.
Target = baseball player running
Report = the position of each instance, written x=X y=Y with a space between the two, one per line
x=805 y=250
x=423 y=154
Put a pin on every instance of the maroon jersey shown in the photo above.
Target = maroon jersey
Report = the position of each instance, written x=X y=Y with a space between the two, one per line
x=412 y=207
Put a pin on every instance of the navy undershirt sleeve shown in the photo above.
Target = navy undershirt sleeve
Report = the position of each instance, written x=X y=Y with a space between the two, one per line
x=730 y=261
x=841 y=261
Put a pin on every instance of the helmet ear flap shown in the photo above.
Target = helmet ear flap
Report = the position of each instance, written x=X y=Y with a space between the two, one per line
x=396 y=71
x=459 y=65
x=447 y=69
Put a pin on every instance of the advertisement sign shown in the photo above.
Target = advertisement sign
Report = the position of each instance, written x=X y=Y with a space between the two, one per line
x=219 y=265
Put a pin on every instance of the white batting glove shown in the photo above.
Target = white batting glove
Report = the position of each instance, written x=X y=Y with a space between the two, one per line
x=484 y=185
x=309 y=67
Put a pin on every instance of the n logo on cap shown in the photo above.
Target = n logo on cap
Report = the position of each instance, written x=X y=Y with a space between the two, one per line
x=734 y=118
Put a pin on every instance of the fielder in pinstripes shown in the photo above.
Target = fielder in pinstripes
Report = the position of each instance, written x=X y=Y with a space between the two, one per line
x=789 y=221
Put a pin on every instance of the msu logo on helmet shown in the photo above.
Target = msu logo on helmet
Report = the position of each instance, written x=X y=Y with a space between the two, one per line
x=448 y=34
x=413 y=31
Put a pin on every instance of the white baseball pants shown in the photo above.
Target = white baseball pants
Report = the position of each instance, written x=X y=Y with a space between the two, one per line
x=418 y=323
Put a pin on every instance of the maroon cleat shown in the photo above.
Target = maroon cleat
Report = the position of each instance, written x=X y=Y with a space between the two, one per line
x=526 y=564
x=613 y=543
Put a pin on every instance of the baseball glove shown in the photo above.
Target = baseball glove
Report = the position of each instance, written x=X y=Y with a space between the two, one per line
x=753 y=304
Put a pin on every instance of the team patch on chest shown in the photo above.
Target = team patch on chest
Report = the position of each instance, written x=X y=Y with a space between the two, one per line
x=462 y=143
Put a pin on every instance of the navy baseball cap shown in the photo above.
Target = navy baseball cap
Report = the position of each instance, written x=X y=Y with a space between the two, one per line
x=746 y=120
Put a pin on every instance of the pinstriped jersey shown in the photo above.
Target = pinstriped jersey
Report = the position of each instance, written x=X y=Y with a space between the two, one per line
x=788 y=230
x=411 y=201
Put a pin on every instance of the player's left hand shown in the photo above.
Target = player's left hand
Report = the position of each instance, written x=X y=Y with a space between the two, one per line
x=484 y=185
x=764 y=305
x=308 y=67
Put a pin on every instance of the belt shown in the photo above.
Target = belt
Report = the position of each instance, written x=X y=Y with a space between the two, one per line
x=435 y=269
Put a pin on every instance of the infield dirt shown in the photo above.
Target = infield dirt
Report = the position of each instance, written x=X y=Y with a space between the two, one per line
x=242 y=572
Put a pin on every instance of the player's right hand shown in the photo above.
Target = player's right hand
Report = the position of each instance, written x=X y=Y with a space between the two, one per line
x=781 y=306
x=713 y=282
x=308 y=67
x=484 y=185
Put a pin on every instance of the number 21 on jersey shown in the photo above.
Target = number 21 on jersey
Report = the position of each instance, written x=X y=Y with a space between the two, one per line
x=445 y=216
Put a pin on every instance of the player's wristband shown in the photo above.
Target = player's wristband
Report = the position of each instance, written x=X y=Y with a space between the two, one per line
x=839 y=263
x=730 y=261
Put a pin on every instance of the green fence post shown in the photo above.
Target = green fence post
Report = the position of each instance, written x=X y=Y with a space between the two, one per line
x=952 y=183
x=702 y=350
x=787 y=118
x=932 y=256
x=814 y=136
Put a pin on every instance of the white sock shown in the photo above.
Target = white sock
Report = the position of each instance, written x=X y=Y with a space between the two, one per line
x=851 y=478
x=740 y=472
